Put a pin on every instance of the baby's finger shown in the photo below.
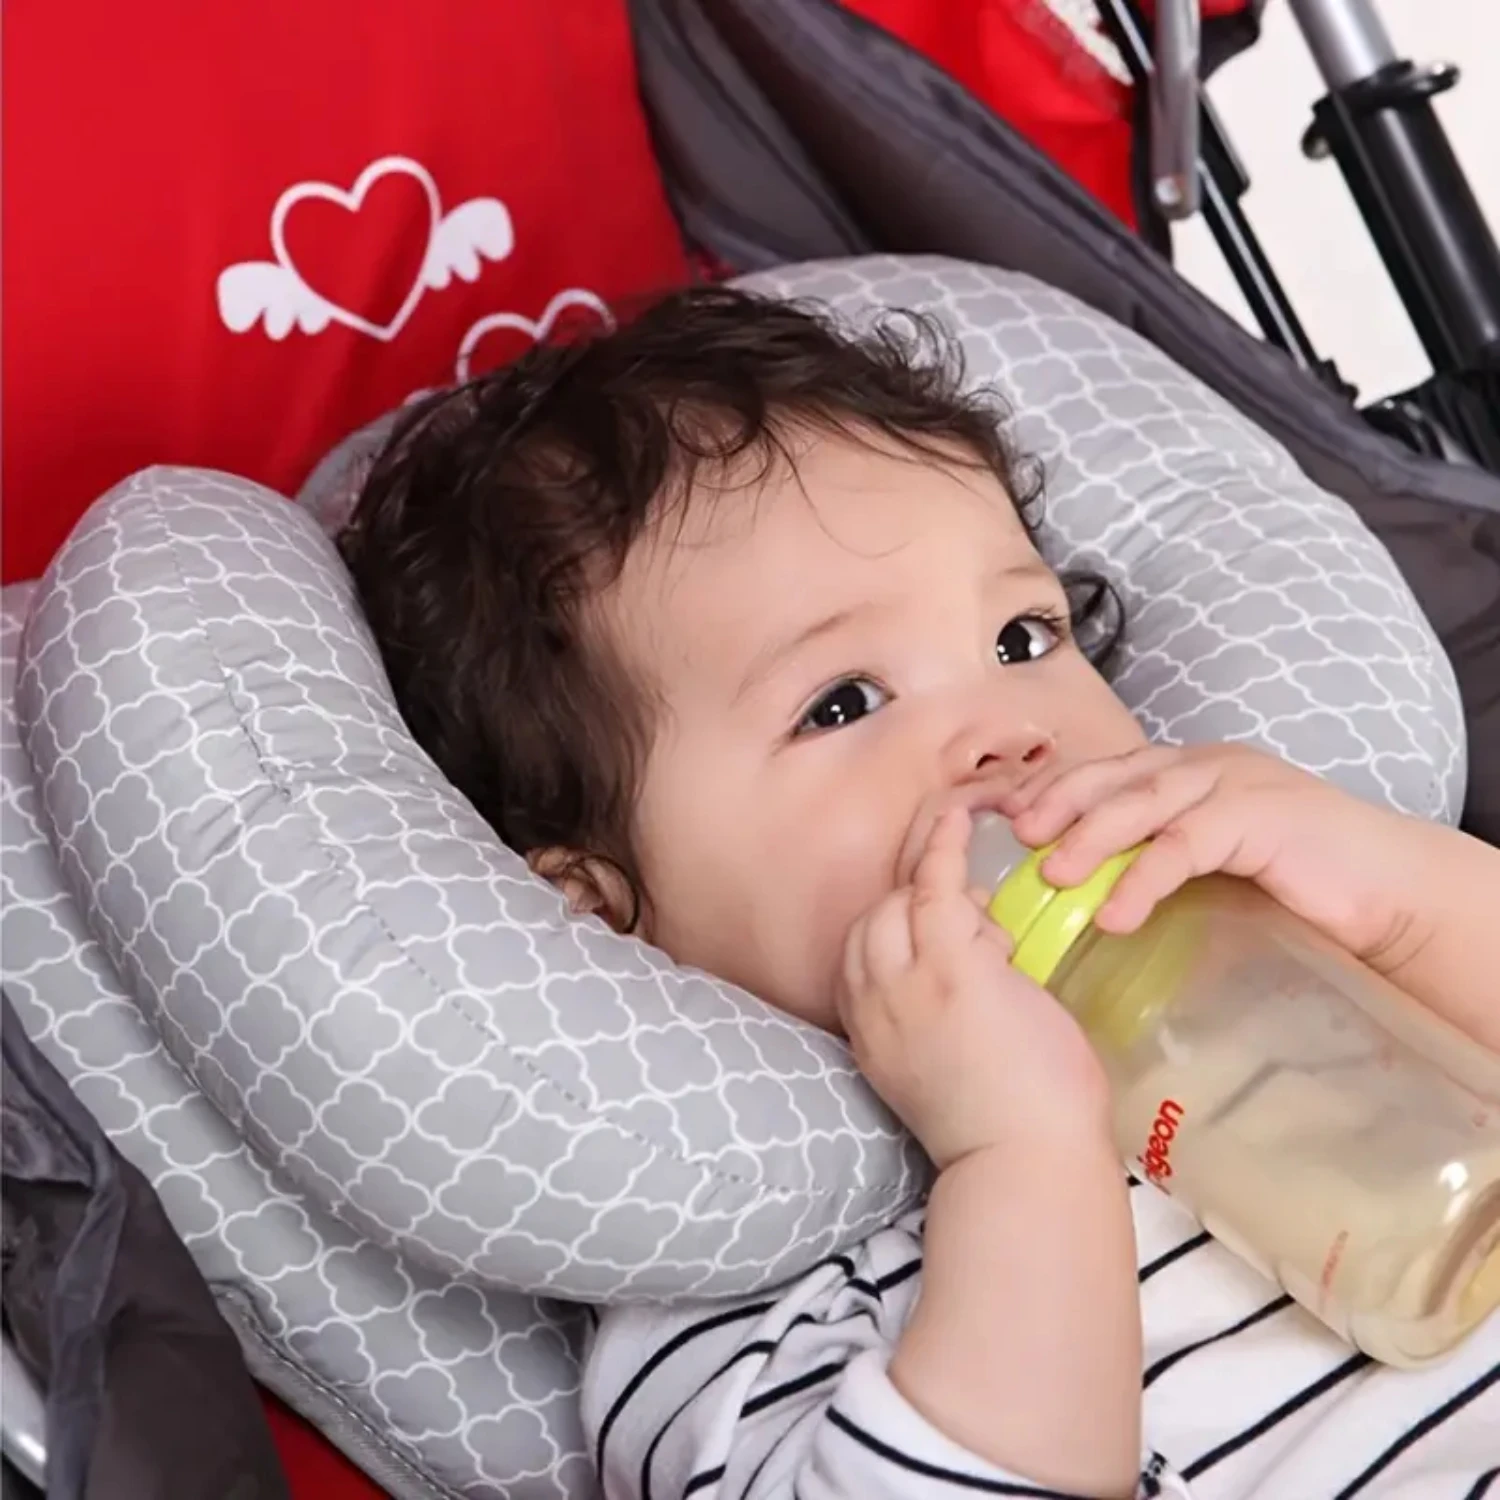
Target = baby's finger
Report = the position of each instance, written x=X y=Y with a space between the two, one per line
x=1127 y=816
x=943 y=915
x=943 y=868
x=1024 y=792
x=1199 y=842
x=857 y=1003
x=856 y=974
x=1043 y=811
x=888 y=950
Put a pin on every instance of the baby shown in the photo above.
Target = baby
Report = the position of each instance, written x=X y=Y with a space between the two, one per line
x=730 y=622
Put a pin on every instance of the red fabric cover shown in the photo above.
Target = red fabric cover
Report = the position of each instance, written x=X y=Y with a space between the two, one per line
x=321 y=149
x=1029 y=67
x=1025 y=63
x=315 y=1469
x=146 y=149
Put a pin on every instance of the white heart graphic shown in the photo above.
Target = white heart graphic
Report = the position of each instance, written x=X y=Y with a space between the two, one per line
x=352 y=200
x=537 y=328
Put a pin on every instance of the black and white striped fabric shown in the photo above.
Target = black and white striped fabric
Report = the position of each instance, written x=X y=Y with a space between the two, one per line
x=785 y=1397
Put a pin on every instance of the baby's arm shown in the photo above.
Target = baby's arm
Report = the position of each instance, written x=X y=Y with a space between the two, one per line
x=785 y=1397
x=1025 y=1346
x=1447 y=953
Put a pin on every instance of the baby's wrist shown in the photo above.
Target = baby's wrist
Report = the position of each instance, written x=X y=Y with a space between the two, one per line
x=1060 y=1151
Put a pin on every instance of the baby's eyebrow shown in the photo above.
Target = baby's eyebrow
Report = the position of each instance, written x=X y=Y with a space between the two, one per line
x=771 y=656
x=1034 y=571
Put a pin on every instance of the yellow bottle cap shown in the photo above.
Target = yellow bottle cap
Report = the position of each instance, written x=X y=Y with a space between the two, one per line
x=1022 y=897
x=1044 y=920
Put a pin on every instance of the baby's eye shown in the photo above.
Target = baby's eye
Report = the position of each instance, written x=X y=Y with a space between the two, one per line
x=842 y=704
x=1026 y=638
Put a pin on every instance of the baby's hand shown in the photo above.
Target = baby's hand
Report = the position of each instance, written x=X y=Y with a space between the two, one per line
x=1341 y=864
x=968 y=1052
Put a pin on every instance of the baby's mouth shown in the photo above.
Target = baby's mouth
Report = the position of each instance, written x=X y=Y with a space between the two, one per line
x=974 y=797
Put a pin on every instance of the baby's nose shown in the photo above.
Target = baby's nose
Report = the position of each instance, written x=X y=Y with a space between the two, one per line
x=1021 y=749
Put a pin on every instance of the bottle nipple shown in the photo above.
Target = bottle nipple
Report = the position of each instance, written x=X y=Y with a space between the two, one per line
x=994 y=851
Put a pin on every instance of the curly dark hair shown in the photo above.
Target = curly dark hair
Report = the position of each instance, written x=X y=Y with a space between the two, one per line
x=497 y=510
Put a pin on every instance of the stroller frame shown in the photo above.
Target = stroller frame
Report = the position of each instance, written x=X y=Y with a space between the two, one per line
x=1377 y=122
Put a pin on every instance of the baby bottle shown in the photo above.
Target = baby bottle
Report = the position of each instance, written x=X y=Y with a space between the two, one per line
x=1328 y=1128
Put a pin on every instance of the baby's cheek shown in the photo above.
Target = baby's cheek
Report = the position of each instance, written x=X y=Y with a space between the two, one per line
x=1093 y=722
x=823 y=864
x=856 y=850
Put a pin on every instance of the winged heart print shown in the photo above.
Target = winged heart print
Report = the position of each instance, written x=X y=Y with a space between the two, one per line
x=480 y=350
x=301 y=288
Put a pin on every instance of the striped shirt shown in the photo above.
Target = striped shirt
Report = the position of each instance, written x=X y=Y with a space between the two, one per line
x=1246 y=1397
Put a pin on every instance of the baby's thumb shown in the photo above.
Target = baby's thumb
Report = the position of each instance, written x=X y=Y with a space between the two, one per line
x=1001 y=948
x=991 y=930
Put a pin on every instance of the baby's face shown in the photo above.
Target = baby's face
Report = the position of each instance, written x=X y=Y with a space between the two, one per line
x=835 y=659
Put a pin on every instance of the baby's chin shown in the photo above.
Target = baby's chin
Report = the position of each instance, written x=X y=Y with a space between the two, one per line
x=805 y=989
x=819 y=1007
x=814 y=1004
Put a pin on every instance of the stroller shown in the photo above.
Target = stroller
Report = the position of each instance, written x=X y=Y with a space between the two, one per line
x=772 y=124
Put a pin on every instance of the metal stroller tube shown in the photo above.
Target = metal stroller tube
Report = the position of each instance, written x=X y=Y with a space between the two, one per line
x=1346 y=38
x=1378 y=124
x=1221 y=179
x=1175 y=108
